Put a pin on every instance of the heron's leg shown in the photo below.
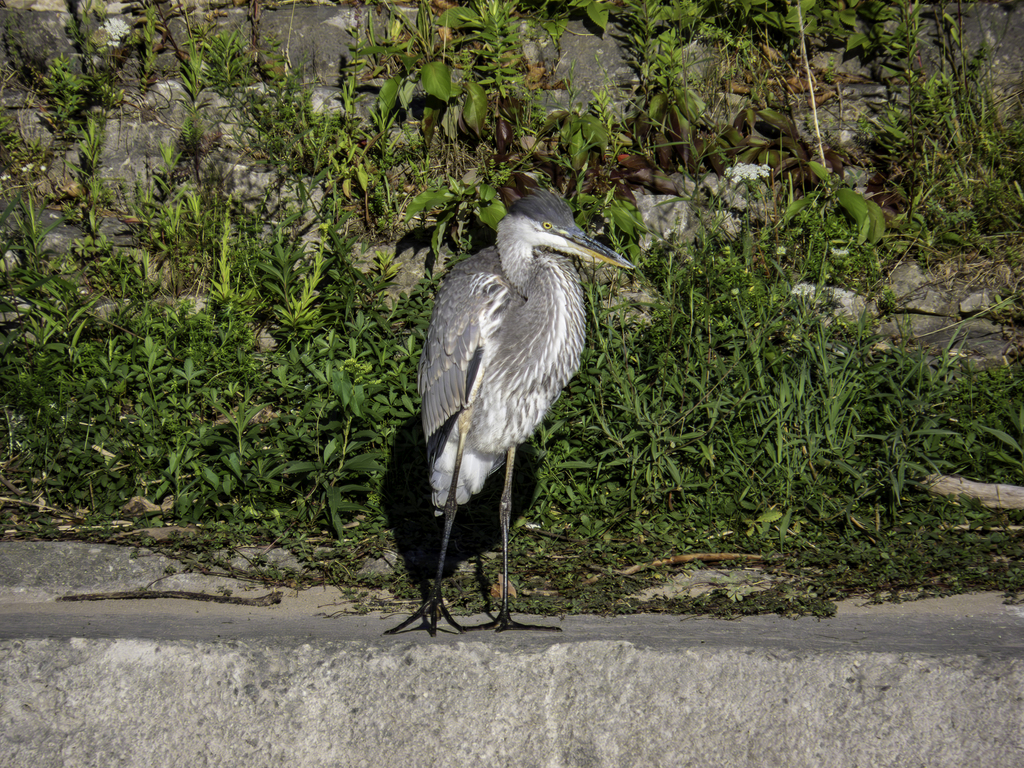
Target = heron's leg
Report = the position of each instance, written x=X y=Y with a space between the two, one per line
x=504 y=620
x=434 y=605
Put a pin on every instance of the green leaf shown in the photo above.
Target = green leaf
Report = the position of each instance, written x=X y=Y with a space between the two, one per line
x=450 y=124
x=855 y=41
x=406 y=91
x=364 y=462
x=625 y=216
x=431 y=115
x=234 y=464
x=692 y=105
x=853 y=204
x=436 y=79
x=388 y=95
x=457 y=18
x=474 y=109
x=428 y=200
x=856 y=207
x=769 y=516
x=576 y=465
x=1003 y=436
x=877 y=222
x=598 y=13
x=440 y=229
x=775 y=119
x=555 y=28
x=796 y=206
x=594 y=132
x=492 y=214
x=211 y=478
x=819 y=170
x=656 y=107
x=407 y=402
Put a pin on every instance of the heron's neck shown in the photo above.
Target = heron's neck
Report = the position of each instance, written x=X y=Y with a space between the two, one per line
x=553 y=315
x=549 y=328
x=555 y=281
x=517 y=260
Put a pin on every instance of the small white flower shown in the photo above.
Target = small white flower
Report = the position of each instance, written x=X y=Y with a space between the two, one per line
x=42 y=169
x=840 y=252
x=747 y=172
x=780 y=250
x=116 y=30
x=26 y=168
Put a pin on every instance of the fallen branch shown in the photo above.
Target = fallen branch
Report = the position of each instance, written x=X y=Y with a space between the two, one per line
x=704 y=557
x=991 y=495
x=272 y=598
x=27 y=503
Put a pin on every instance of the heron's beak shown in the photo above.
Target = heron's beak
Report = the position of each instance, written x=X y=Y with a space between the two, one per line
x=587 y=248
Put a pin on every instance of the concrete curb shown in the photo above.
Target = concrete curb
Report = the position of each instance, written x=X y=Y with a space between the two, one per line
x=601 y=703
x=169 y=682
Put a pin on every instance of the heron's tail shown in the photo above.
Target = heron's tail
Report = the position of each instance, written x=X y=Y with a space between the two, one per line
x=472 y=474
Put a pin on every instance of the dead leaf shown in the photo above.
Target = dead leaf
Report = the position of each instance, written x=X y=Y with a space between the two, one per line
x=496 y=590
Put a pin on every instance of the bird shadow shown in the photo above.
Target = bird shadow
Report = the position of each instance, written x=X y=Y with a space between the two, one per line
x=417 y=530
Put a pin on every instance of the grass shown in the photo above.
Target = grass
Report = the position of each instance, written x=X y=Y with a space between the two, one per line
x=722 y=414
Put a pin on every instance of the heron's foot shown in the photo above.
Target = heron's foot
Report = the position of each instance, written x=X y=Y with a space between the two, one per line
x=504 y=622
x=429 y=612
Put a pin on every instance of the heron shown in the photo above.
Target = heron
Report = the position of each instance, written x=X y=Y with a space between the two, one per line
x=505 y=337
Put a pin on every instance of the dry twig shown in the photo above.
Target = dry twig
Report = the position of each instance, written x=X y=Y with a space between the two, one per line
x=704 y=557
x=271 y=598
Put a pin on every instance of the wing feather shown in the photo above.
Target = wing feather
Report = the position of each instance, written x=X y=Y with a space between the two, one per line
x=467 y=309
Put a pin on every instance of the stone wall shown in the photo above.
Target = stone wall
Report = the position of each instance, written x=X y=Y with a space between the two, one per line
x=317 y=40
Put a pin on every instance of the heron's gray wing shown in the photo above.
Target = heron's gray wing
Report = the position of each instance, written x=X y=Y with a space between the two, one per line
x=467 y=310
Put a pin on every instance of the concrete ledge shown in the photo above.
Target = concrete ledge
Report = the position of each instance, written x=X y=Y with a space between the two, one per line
x=127 y=702
x=167 y=682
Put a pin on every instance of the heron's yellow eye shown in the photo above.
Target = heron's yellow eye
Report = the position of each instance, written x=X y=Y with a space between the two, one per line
x=547 y=225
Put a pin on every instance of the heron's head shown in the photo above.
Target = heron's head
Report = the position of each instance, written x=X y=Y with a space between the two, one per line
x=543 y=220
